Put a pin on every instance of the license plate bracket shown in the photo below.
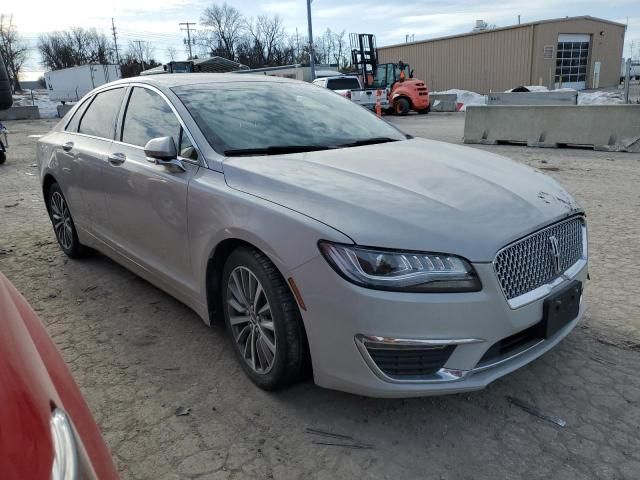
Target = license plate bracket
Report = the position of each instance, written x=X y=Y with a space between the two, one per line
x=561 y=308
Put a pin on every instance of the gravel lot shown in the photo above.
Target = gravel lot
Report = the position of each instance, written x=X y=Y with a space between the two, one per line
x=137 y=354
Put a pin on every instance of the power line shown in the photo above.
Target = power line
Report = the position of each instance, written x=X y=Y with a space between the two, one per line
x=166 y=36
x=188 y=29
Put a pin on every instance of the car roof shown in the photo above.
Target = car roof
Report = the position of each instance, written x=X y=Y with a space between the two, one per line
x=338 y=76
x=171 y=80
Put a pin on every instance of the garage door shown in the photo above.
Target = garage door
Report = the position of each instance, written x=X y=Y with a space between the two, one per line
x=572 y=60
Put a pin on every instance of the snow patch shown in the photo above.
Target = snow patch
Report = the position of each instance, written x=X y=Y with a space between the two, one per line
x=40 y=99
x=600 y=98
x=465 y=97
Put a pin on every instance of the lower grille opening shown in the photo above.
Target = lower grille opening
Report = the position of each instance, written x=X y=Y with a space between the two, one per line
x=409 y=362
x=513 y=344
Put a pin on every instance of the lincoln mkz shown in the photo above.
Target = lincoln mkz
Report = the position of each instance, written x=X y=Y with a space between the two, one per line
x=326 y=239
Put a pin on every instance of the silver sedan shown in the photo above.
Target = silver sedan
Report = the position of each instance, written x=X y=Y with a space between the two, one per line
x=327 y=240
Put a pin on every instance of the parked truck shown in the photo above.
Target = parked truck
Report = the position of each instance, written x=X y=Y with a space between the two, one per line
x=350 y=86
x=71 y=84
x=634 y=72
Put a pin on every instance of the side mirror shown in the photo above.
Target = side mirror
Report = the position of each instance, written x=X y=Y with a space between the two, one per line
x=162 y=151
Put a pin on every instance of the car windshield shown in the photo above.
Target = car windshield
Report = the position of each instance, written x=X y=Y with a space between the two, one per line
x=271 y=118
x=346 y=83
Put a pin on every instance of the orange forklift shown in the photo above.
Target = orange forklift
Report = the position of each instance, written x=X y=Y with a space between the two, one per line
x=404 y=92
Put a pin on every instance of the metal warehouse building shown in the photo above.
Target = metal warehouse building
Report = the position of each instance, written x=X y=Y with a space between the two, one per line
x=573 y=52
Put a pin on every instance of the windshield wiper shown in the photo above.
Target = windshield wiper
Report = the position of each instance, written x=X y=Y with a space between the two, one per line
x=274 y=150
x=367 y=141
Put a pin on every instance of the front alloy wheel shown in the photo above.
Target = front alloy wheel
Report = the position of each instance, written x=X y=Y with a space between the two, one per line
x=263 y=319
x=250 y=318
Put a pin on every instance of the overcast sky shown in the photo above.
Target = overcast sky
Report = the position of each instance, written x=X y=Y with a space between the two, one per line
x=389 y=20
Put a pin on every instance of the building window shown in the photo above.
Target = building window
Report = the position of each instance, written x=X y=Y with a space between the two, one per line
x=571 y=62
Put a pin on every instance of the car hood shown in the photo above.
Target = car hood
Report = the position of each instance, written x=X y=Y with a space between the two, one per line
x=416 y=194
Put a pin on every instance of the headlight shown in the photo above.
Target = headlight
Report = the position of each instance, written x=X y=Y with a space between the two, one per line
x=401 y=271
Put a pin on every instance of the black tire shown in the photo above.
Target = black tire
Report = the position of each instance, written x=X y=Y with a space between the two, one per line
x=401 y=106
x=425 y=110
x=291 y=359
x=3 y=157
x=69 y=244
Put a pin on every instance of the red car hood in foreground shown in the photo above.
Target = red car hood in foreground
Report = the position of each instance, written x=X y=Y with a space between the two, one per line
x=34 y=380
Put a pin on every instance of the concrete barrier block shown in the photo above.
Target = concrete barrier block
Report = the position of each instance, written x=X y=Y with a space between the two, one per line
x=533 y=98
x=20 y=113
x=613 y=128
x=63 y=109
x=443 y=102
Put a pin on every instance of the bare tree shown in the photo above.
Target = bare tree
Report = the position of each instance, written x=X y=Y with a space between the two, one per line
x=226 y=28
x=172 y=53
x=143 y=51
x=340 y=50
x=13 y=49
x=76 y=46
x=268 y=36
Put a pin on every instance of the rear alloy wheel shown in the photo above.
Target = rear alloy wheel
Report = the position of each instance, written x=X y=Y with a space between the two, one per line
x=62 y=222
x=401 y=106
x=263 y=320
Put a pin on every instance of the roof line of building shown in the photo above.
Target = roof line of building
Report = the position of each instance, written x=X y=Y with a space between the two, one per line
x=508 y=27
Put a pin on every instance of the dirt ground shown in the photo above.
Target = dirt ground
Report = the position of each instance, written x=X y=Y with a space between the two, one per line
x=137 y=355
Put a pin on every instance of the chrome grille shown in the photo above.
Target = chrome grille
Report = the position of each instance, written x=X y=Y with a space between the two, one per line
x=528 y=263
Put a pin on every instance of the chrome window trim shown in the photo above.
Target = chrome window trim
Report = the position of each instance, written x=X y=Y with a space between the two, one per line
x=544 y=290
x=94 y=137
x=441 y=376
x=201 y=161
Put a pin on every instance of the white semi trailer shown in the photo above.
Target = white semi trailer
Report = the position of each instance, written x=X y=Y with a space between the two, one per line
x=71 y=84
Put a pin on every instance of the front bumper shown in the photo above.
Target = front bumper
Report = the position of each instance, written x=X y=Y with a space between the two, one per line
x=341 y=316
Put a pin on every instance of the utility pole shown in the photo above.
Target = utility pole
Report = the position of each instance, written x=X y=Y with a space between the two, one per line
x=115 y=39
x=188 y=30
x=312 y=61
x=627 y=79
x=139 y=43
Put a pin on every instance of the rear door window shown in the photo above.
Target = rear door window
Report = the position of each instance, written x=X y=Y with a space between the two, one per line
x=343 y=84
x=100 y=117
x=72 y=125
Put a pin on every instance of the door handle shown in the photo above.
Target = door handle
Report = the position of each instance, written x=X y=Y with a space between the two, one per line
x=67 y=146
x=117 y=158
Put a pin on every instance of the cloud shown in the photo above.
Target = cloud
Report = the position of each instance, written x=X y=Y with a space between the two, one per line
x=389 y=20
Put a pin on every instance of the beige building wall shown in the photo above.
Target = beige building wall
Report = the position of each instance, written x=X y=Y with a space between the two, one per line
x=496 y=60
x=606 y=45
